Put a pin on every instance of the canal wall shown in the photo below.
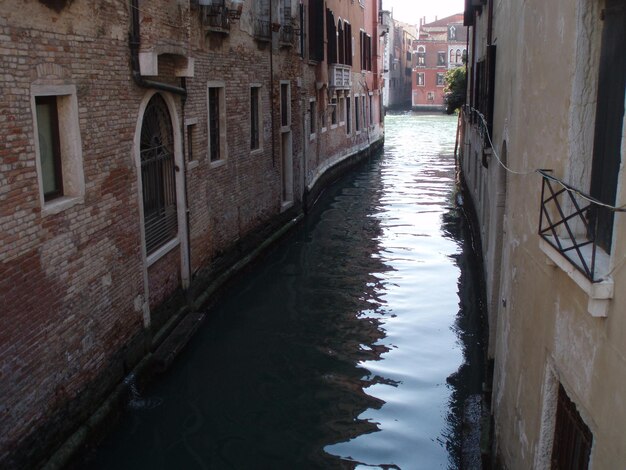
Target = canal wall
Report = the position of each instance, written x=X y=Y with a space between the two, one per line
x=208 y=285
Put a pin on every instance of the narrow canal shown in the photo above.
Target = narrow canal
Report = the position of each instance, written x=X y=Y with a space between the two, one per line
x=353 y=344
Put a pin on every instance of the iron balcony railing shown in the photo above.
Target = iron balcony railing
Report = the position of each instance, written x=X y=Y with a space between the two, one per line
x=564 y=223
x=286 y=34
x=262 y=30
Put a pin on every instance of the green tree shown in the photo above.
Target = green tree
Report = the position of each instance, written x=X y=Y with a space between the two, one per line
x=455 y=91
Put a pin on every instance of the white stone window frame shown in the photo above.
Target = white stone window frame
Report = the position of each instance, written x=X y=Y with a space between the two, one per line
x=341 y=110
x=70 y=145
x=259 y=149
x=287 y=84
x=221 y=86
x=417 y=79
x=443 y=79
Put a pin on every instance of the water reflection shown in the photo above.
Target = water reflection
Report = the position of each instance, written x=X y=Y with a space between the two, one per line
x=341 y=348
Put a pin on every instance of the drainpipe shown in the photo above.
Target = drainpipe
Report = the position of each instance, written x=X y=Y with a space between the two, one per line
x=134 y=41
x=272 y=87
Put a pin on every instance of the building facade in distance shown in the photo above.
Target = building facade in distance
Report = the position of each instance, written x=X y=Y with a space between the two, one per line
x=441 y=46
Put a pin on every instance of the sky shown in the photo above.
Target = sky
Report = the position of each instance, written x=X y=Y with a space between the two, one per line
x=410 y=11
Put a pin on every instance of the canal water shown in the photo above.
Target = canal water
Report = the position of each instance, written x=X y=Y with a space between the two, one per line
x=352 y=344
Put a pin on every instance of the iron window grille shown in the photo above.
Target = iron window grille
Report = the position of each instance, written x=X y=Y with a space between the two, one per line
x=564 y=224
x=215 y=17
x=572 y=437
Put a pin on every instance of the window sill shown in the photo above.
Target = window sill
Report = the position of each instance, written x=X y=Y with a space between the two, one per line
x=218 y=163
x=324 y=129
x=258 y=151
x=162 y=251
x=599 y=293
x=60 y=204
x=192 y=164
x=333 y=126
x=312 y=137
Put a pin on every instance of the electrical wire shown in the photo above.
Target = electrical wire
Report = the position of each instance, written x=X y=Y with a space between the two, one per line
x=543 y=173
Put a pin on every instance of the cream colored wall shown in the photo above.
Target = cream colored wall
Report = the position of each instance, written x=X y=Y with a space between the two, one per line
x=544 y=110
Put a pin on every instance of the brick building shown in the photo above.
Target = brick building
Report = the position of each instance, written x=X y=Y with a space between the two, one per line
x=146 y=148
x=441 y=46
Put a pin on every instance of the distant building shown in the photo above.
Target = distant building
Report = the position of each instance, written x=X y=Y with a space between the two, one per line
x=402 y=37
x=440 y=47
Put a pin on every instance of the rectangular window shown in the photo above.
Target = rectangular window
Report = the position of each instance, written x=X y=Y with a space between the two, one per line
x=316 y=30
x=58 y=147
x=214 y=124
x=357 y=115
x=342 y=110
x=285 y=105
x=255 y=108
x=420 y=79
x=313 y=119
x=333 y=111
x=49 y=147
x=348 y=116
x=191 y=141
x=421 y=59
x=441 y=59
x=572 y=437
x=364 y=110
x=371 y=99
x=441 y=79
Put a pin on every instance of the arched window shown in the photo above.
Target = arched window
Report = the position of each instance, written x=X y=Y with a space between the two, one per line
x=452 y=32
x=157 y=175
x=341 y=48
x=458 y=55
x=451 y=55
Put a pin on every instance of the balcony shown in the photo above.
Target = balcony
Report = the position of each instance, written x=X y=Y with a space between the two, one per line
x=215 y=18
x=287 y=34
x=568 y=239
x=340 y=77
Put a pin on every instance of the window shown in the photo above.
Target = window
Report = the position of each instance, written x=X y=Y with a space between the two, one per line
x=333 y=111
x=58 y=147
x=420 y=79
x=609 y=121
x=459 y=57
x=342 y=110
x=452 y=33
x=285 y=104
x=313 y=117
x=572 y=438
x=366 y=51
x=441 y=59
x=441 y=79
x=158 y=175
x=331 y=34
x=452 y=55
x=316 y=30
x=357 y=115
x=363 y=109
x=191 y=130
x=348 y=116
x=216 y=122
x=421 y=59
x=347 y=43
x=430 y=96
x=49 y=147
x=255 y=117
x=408 y=56
x=371 y=99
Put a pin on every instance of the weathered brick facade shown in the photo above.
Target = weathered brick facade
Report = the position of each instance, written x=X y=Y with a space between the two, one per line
x=81 y=298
